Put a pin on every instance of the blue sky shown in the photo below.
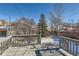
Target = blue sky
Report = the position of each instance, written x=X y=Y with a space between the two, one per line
x=27 y=10
x=70 y=12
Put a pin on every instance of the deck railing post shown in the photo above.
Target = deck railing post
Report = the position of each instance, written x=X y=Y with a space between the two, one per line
x=60 y=43
x=1 y=48
x=64 y=44
x=7 y=44
x=70 y=46
x=67 y=45
x=12 y=43
x=73 y=48
x=76 y=49
x=39 y=39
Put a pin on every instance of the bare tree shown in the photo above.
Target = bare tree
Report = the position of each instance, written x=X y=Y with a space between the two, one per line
x=56 y=16
x=31 y=25
x=23 y=26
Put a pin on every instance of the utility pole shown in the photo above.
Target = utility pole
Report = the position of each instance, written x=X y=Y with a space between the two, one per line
x=73 y=22
x=30 y=27
x=9 y=25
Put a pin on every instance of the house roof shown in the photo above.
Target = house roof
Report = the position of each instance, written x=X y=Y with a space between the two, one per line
x=3 y=30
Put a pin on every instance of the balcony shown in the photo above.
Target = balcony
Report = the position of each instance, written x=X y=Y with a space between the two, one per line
x=32 y=45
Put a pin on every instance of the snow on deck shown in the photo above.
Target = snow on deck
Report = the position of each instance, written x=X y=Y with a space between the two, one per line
x=47 y=40
x=4 y=38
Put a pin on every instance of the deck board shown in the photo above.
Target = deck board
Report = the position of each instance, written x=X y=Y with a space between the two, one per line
x=19 y=51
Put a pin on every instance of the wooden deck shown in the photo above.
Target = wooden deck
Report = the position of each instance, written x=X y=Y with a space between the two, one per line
x=19 y=51
x=23 y=51
x=46 y=48
x=30 y=50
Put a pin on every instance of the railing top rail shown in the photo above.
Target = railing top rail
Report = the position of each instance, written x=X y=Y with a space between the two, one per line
x=4 y=39
x=67 y=38
x=25 y=35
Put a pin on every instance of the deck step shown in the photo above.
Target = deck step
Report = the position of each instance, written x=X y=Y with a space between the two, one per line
x=65 y=52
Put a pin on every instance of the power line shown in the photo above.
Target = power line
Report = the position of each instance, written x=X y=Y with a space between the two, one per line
x=73 y=15
x=19 y=11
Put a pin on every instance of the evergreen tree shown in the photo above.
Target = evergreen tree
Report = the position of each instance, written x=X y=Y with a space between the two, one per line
x=42 y=26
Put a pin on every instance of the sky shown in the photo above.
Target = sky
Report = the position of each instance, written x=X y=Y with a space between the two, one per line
x=27 y=10
x=34 y=10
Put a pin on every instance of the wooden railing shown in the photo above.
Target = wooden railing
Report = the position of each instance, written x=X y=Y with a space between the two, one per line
x=19 y=40
x=5 y=44
x=70 y=45
x=22 y=40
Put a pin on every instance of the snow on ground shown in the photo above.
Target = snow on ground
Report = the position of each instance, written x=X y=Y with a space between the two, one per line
x=56 y=40
x=46 y=40
x=50 y=40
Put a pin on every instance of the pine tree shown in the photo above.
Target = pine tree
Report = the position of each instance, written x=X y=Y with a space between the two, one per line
x=42 y=26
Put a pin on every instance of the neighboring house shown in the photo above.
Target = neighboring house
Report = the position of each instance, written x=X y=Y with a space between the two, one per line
x=7 y=28
x=3 y=28
x=3 y=31
x=70 y=28
x=3 y=23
